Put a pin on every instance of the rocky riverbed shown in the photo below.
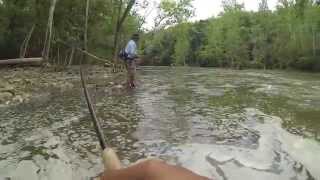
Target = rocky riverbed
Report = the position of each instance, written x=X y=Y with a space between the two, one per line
x=18 y=85
x=220 y=123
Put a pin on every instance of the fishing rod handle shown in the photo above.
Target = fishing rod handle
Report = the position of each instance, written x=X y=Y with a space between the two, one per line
x=110 y=159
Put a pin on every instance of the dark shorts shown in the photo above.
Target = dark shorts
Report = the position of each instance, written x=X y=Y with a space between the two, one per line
x=130 y=64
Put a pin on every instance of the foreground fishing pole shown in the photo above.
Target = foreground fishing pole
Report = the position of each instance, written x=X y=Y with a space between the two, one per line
x=94 y=118
x=110 y=158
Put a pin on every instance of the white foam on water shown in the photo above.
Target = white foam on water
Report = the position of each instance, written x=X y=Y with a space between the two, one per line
x=62 y=162
x=275 y=158
x=305 y=151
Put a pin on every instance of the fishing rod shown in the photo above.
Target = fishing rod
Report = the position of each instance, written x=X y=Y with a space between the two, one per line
x=96 y=122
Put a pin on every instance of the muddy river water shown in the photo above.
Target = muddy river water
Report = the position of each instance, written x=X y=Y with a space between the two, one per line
x=224 y=124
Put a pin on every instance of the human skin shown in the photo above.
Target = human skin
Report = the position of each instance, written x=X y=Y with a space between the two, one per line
x=151 y=170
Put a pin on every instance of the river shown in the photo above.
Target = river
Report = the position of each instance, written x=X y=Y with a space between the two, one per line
x=224 y=124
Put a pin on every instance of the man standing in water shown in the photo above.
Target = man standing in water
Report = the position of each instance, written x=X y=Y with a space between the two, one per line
x=130 y=59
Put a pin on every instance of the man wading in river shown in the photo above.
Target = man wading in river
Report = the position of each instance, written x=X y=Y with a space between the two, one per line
x=129 y=55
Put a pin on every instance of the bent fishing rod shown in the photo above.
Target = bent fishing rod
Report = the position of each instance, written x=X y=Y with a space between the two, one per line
x=96 y=122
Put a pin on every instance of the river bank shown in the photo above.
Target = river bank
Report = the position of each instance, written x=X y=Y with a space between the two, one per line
x=18 y=85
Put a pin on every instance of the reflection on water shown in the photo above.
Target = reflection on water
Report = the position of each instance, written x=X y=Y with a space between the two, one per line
x=220 y=123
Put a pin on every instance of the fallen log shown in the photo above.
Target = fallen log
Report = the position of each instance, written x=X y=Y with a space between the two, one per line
x=22 y=61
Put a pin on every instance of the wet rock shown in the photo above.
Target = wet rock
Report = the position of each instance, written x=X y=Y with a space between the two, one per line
x=26 y=170
x=25 y=154
x=7 y=167
x=5 y=86
x=58 y=169
x=18 y=99
x=66 y=86
x=75 y=136
x=115 y=131
x=5 y=96
x=119 y=86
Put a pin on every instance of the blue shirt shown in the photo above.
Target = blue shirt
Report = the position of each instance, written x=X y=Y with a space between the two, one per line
x=131 y=49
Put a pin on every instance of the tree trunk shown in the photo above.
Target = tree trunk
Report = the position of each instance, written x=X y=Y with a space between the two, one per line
x=25 y=43
x=58 y=56
x=22 y=61
x=66 y=57
x=47 y=43
x=86 y=28
x=116 y=34
x=314 y=42
x=71 y=57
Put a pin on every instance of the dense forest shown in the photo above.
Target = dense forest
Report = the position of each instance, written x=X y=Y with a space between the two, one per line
x=20 y=18
x=288 y=37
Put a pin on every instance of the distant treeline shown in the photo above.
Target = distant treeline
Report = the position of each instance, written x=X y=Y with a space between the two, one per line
x=288 y=37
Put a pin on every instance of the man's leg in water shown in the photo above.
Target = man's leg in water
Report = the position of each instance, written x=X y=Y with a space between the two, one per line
x=132 y=73
x=128 y=72
x=131 y=70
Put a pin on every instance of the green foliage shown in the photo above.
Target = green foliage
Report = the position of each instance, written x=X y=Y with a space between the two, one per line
x=173 y=12
x=286 y=38
x=182 y=45
x=18 y=16
x=14 y=18
x=232 y=5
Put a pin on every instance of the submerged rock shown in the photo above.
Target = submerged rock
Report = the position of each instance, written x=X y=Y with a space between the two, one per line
x=26 y=170
x=5 y=96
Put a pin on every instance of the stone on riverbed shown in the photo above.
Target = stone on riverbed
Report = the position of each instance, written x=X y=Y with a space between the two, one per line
x=5 y=96
x=26 y=170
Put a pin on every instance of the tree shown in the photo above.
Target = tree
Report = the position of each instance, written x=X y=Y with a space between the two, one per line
x=263 y=5
x=285 y=38
x=232 y=5
x=86 y=26
x=48 y=37
x=300 y=7
x=121 y=17
x=172 y=12
x=182 y=45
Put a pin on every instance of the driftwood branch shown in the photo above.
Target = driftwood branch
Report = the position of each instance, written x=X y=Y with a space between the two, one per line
x=22 y=61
